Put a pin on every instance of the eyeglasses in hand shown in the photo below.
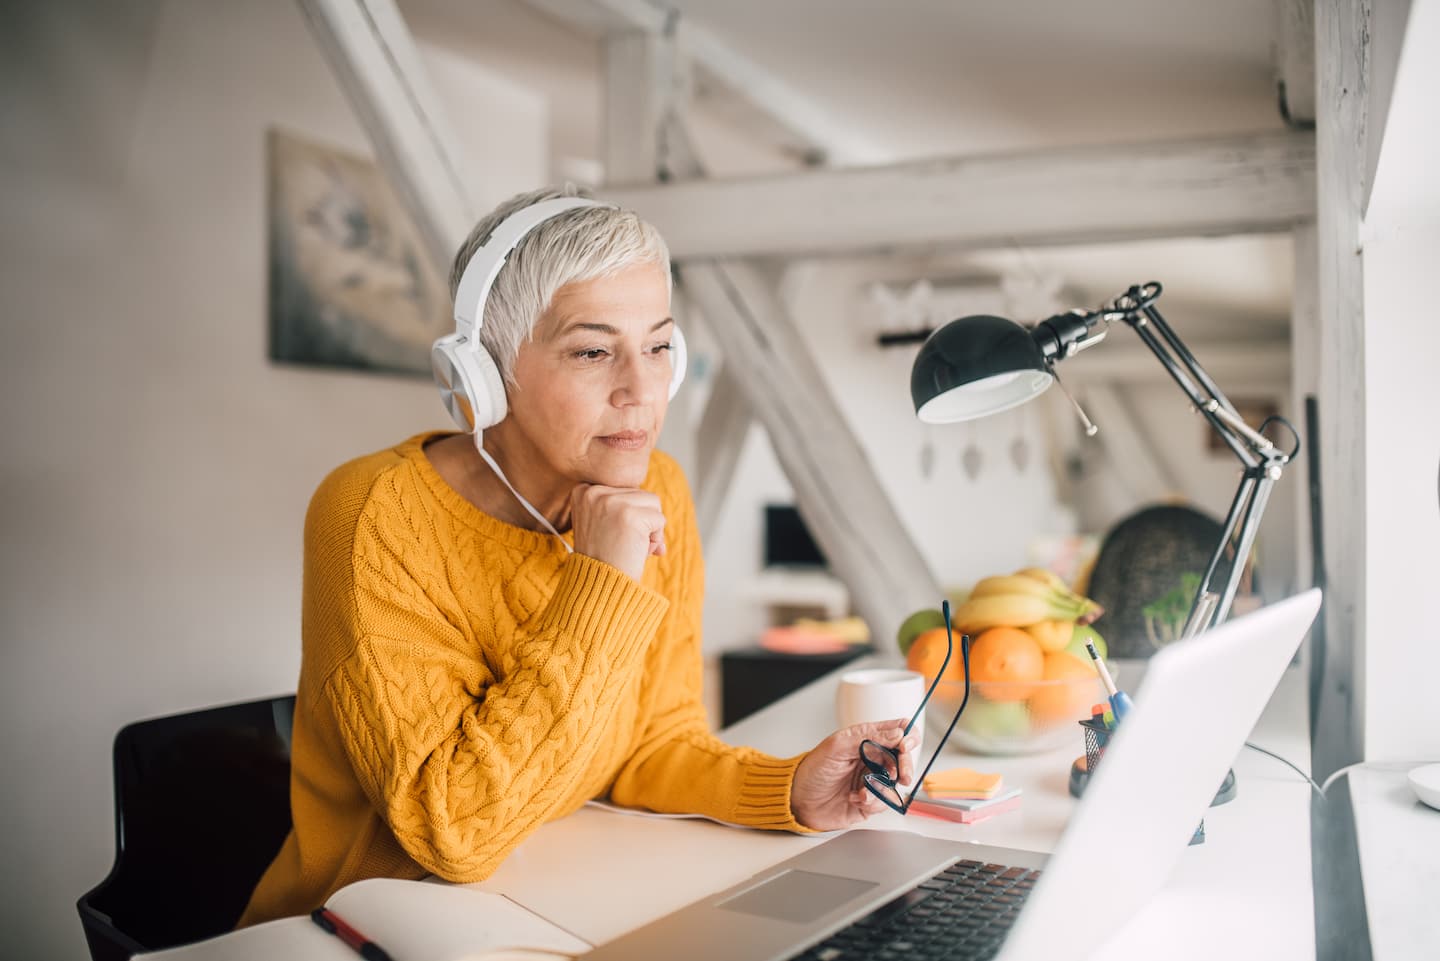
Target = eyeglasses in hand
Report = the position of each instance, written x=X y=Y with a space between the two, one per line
x=882 y=764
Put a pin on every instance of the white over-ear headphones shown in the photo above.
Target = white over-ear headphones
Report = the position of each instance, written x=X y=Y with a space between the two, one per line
x=470 y=382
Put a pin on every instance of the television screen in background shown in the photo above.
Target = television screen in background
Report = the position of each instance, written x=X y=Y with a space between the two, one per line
x=787 y=540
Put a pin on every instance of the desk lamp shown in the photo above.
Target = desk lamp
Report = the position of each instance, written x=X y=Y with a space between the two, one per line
x=981 y=365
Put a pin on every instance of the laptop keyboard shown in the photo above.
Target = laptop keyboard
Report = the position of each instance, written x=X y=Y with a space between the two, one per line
x=963 y=912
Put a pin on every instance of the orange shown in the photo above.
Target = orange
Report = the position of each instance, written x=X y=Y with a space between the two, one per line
x=1069 y=697
x=927 y=653
x=1006 y=660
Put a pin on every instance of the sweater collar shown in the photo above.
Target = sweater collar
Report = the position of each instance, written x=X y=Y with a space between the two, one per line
x=413 y=452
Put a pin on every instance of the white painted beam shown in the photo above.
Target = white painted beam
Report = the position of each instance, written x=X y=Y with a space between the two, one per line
x=720 y=440
x=1134 y=461
x=1245 y=184
x=811 y=130
x=638 y=73
x=374 y=57
x=1342 y=65
x=1295 y=59
x=838 y=491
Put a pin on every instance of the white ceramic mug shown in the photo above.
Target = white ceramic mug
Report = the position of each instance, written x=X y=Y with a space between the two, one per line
x=880 y=694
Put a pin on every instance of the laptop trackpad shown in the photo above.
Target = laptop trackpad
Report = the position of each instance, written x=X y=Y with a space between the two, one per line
x=798 y=896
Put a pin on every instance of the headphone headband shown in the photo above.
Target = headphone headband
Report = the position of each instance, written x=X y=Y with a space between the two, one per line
x=484 y=265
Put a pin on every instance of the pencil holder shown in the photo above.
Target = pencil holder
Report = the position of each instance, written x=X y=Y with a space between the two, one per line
x=1097 y=735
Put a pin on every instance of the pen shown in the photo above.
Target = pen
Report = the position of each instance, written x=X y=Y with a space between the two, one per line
x=1119 y=700
x=360 y=944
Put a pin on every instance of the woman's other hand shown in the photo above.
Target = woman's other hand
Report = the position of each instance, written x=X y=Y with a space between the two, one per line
x=828 y=793
x=618 y=525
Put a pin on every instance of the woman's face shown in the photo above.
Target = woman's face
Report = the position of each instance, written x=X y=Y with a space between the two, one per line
x=592 y=384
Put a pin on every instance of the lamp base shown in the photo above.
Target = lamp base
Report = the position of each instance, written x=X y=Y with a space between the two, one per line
x=1226 y=794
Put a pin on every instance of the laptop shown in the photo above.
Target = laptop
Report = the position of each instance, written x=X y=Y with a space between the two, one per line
x=866 y=891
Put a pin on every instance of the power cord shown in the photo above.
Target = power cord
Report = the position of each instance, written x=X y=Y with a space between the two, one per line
x=1320 y=789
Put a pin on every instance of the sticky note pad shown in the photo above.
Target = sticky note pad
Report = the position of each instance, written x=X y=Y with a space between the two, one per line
x=962 y=782
x=975 y=804
x=948 y=812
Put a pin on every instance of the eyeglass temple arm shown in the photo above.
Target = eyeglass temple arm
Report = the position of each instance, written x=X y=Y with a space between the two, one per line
x=965 y=656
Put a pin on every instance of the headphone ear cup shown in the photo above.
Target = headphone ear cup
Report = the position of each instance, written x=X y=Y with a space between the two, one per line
x=678 y=359
x=486 y=380
x=470 y=383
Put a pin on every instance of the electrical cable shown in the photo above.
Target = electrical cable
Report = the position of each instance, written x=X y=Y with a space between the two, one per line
x=1320 y=789
x=1277 y=419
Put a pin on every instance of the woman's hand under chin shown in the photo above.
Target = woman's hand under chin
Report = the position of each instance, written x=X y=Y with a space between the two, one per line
x=621 y=526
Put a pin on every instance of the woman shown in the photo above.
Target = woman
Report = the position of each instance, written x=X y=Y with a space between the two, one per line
x=498 y=627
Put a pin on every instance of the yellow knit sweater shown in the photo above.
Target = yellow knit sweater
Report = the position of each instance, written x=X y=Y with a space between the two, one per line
x=463 y=681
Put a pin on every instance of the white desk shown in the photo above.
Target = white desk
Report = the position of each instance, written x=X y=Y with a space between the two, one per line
x=1245 y=893
x=1399 y=842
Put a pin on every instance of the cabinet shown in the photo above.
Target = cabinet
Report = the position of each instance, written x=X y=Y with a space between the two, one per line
x=753 y=677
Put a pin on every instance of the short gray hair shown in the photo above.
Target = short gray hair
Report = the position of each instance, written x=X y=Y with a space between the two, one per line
x=577 y=245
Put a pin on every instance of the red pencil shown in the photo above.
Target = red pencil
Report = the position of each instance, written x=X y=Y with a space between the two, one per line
x=360 y=944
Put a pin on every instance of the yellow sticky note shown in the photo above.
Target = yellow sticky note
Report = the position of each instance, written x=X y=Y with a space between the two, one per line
x=962 y=782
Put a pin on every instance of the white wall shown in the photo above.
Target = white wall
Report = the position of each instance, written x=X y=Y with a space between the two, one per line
x=157 y=466
x=1401 y=238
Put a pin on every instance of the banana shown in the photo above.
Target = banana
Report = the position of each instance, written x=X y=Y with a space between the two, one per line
x=1046 y=588
x=1045 y=576
x=1007 y=610
x=1015 y=584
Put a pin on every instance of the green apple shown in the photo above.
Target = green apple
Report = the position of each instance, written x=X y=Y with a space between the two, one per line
x=1083 y=633
x=916 y=624
x=995 y=719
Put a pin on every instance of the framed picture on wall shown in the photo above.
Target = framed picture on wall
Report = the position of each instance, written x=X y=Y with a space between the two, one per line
x=350 y=285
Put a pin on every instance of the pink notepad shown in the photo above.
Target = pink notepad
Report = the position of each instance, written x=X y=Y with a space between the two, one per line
x=946 y=812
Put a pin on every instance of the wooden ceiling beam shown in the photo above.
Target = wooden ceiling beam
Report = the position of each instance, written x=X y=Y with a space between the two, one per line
x=1233 y=185
x=804 y=127
x=374 y=57
x=1295 y=61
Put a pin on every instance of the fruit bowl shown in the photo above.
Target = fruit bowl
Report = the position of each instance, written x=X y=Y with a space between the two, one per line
x=1013 y=717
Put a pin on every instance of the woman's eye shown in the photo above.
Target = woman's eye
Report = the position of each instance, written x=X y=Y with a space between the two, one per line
x=661 y=348
x=592 y=353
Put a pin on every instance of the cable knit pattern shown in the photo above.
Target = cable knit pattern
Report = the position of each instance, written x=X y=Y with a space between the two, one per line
x=463 y=681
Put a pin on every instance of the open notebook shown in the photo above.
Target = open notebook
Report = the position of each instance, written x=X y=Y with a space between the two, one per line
x=411 y=920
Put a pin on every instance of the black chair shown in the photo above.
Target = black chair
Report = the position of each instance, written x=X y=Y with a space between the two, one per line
x=202 y=805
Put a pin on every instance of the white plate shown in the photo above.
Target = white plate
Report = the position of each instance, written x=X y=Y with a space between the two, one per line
x=1426 y=782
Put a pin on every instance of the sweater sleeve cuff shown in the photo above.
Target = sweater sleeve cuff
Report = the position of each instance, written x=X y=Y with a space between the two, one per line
x=603 y=607
x=764 y=800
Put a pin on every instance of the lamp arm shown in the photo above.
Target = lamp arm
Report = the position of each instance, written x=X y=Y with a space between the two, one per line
x=1263 y=461
x=1242 y=523
x=1137 y=308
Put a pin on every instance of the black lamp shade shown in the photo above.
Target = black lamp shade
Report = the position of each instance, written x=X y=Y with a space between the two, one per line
x=976 y=366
